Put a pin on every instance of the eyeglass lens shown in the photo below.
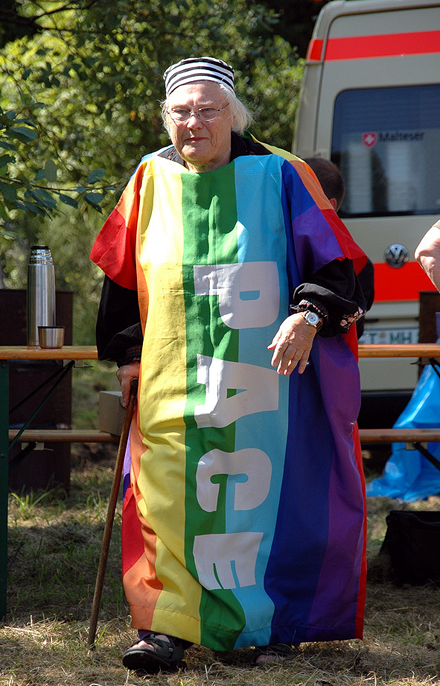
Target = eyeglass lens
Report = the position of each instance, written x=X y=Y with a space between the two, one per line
x=205 y=114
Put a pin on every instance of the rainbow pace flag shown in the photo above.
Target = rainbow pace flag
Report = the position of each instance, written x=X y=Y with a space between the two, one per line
x=244 y=499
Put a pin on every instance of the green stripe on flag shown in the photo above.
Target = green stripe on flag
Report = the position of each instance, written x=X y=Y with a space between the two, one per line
x=210 y=238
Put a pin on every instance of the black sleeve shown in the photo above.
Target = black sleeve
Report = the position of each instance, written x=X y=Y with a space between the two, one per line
x=366 y=279
x=335 y=293
x=118 y=328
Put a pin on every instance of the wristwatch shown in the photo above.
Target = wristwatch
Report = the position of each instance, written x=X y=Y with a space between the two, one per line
x=312 y=319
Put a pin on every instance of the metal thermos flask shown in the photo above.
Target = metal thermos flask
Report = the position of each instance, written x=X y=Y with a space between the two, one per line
x=40 y=292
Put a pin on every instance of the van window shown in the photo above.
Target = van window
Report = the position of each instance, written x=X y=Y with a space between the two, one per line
x=386 y=142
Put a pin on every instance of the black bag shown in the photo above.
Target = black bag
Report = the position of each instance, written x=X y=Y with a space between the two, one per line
x=412 y=542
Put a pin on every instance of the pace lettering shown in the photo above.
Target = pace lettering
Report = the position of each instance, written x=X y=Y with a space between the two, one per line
x=257 y=391
x=218 y=556
x=251 y=462
x=248 y=292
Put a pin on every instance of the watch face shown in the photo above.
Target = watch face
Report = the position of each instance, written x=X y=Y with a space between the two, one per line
x=312 y=318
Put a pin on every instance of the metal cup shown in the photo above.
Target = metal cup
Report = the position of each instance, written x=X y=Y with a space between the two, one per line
x=51 y=336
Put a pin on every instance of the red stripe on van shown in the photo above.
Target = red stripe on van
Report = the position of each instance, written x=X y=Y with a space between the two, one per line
x=384 y=45
x=314 y=51
x=401 y=283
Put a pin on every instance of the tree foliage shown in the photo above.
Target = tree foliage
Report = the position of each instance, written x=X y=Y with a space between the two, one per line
x=95 y=71
x=80 y=87
x=295 y=20
x=14 y=25
x=18 y=132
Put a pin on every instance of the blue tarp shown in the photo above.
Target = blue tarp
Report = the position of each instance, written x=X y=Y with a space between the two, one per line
x=408 y=475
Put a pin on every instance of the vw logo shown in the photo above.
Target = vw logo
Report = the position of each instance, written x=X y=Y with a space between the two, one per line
x=396 y=255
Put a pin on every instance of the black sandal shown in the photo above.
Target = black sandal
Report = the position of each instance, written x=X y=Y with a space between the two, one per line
x=277 y=651
x=165 y=655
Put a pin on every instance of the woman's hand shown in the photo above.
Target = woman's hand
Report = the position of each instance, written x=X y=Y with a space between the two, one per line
x=292 y=344
x=125 y=375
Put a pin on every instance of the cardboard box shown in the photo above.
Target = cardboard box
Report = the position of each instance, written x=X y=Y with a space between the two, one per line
x=111 y=413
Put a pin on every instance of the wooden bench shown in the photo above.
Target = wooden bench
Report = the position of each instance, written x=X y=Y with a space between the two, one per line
x=416 y=439
x=36 y=439
x=63 y=436
x=399 y=435
x=96 y=436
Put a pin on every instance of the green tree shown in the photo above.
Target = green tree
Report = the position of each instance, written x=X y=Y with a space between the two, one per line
x=295 y=20
x=14 y=25
x=86 y=88
x=97 y=70
x=22 y=184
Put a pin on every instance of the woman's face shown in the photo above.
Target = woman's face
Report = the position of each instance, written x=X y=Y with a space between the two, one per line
x=204 y=146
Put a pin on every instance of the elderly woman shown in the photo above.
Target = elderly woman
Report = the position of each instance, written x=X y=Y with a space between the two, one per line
x=243 y=520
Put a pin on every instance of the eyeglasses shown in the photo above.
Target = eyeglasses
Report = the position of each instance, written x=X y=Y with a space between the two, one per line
x=205 y=114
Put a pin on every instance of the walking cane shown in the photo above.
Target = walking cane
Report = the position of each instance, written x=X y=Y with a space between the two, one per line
x=111 y=512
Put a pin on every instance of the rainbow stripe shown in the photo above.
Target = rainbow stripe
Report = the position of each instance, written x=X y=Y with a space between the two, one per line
x=244 y=503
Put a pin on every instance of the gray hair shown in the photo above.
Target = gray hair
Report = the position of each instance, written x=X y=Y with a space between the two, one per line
x=242 y=116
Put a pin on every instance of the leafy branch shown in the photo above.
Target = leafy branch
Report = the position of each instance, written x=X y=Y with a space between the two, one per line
x=19 y=192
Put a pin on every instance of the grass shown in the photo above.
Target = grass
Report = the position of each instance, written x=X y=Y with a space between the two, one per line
x=54 y=547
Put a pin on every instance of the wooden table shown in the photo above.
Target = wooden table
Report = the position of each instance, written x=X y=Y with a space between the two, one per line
x=421 y=350
x=9 y=353
x=68 y=352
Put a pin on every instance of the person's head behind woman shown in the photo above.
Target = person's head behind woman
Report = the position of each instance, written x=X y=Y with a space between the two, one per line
x=330 y=178
x=201 y=110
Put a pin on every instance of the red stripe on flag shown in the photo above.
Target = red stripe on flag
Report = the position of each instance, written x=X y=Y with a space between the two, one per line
x=401 y=283
x=384 y=45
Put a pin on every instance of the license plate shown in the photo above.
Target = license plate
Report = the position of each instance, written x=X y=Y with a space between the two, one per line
x=389 y=336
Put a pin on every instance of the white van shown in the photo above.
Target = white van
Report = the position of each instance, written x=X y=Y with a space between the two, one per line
x=370 y=102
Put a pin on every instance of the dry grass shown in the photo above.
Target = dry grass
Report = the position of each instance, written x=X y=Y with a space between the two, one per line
x=53 y=555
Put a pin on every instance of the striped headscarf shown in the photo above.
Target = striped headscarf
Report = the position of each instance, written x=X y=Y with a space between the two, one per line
x=198 y=69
